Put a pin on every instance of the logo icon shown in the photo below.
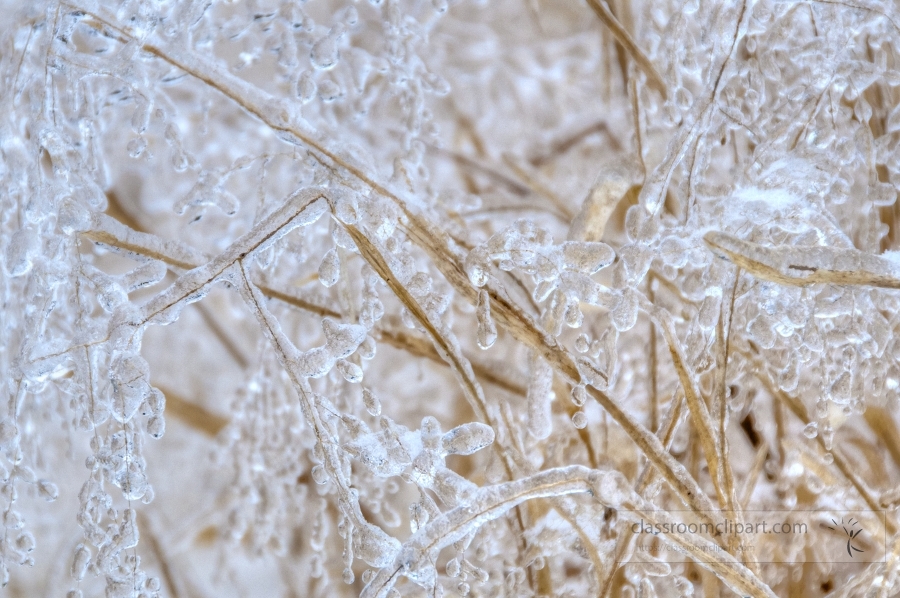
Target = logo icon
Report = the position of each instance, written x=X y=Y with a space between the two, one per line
x=851 y=534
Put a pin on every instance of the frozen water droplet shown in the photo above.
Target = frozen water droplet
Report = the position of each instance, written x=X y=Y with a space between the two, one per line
x=761 y=329
x=73 y=217
x=324 y=53
x=156 y=426
x=487 y=331
x=25 y=542
x=842 y=389
x=128 y=374
x=329 y=91
x=811 y=430
x=346 y=207
x=342 y=339
x=573 y=316
x=587 y=257
x=579 y=420
x=156 y=401
x=538 y=398
x=453 y=567
x=330 y=268
x=347 y=576
x=21 y=252
x=48 y=490
x=582 y=343
x=467 y=439
x=136 y=147
x=656 y=569
x=319 y=475
x=350 y=371
x=367 y=348
x=420 y=284
x=624 y=314
x=306 y=87
x=579 y=396
x=315 y=363
x=80 y=562
x=789 y=377
x=827 y=436
x=370 y=400
x=476 y=266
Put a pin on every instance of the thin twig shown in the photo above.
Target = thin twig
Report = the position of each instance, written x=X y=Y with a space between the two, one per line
x=601 y=9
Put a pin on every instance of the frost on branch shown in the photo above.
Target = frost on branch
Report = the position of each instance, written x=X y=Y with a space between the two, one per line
x=429 y=297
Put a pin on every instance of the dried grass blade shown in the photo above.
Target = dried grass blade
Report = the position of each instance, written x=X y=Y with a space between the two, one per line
x=647 y=476
x=440 y=336
x=109 y=231
x=759 y=461
x=601 y=9
x=882 y=423
x=266 y=231
x=191 y=413
x=700 y=416
x=490 y=503
x=802 y=266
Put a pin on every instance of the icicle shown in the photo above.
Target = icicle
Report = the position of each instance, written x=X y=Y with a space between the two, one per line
x=538 y=398
x=624 y=314
x=371 y=402
x=467 y=439
x=324 y=53
x=587 y=257
x=487 y=331
x=80 y=562
x=330 y=268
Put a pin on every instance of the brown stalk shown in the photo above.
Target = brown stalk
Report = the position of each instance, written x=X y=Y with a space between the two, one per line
x=449 y=352
x=564 y=145
x=881 y=421
x=648 y=475
x=762 y=452
x=726 y=474
x=703 y=423
x=192 y=414
x=802 y=266
x=537 y=186
x=624 y=39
